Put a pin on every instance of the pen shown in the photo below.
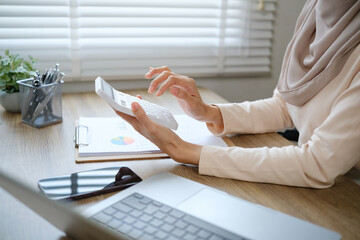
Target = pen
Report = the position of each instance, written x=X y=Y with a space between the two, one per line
x=33 y=96
x=48 y=109
x=43 y=103
x=47 y=77
x=60 y=77
x=55 y=73
x=43 y=77
x=29 y=100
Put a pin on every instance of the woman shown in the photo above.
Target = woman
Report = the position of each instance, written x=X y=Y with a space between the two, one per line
x=318 y=93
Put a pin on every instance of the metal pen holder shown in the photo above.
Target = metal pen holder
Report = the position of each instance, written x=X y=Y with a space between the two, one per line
x=40 y=106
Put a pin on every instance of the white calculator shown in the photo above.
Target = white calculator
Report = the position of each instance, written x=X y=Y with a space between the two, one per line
x=122 y=102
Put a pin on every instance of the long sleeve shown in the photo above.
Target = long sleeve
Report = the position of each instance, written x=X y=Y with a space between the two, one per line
x=267 y=115
x=332 y=149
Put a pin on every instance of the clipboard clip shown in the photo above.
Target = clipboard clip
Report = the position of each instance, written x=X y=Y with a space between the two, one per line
x=81 y=137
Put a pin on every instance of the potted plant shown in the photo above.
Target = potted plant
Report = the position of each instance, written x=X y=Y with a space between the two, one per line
x=13 y=68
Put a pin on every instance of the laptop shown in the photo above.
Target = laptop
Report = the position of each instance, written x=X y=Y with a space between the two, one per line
x=166 y=206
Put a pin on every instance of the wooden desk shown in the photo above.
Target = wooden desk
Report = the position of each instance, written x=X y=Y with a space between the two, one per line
x=33 y=154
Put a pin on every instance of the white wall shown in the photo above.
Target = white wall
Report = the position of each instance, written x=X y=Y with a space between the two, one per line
x=234 y=89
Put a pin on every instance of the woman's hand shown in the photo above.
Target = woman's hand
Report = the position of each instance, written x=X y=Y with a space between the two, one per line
x=164 y=138
x=186 y=93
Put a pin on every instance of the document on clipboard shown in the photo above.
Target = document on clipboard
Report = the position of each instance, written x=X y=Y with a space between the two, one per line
x=113 y=139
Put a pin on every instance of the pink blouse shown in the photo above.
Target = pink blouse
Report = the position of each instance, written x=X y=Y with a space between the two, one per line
x=329 y=142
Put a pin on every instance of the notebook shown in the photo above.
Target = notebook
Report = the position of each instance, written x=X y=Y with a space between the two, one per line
x=103 y=139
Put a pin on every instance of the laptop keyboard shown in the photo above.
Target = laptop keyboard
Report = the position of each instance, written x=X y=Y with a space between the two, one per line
x=140 y=217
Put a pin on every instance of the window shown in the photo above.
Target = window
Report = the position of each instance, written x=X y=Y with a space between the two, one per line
x=120 y=39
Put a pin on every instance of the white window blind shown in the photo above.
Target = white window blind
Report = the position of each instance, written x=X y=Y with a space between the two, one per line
x=120 y=39
x=37 y=28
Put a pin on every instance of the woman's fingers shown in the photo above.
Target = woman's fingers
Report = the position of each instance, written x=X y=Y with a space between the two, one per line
x=167 y=83
x=125 y=116
x=142 y=117
x=159 y=79
x=185 y=83
x=182 y=87
x=130 y=119
x=167 y=79
x=153 y=71
x=141 y=122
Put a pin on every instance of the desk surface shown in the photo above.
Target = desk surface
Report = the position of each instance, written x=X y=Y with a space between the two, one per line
x=33 y=154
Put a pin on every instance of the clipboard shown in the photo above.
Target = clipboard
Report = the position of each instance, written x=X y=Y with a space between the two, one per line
x=81 y=139
x=84 y=136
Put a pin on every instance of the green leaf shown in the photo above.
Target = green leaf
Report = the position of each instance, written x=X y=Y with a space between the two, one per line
x=7 y=68
x=7 y=79
x=17 y=64
x=27 y=65
x=6 y=61
x=21 y=69
x=12 y=68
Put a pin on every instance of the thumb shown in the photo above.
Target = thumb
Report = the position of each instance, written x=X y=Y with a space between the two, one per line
x=140 y=114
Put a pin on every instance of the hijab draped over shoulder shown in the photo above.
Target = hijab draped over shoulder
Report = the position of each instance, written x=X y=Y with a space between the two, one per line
x=326 y=33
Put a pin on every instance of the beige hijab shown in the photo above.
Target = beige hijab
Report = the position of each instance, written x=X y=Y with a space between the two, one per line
x=326 y=33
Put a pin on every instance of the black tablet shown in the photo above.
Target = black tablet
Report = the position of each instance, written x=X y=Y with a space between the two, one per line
x=88 y=183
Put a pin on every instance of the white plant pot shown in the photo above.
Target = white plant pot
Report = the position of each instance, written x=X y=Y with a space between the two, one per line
x=10 y=101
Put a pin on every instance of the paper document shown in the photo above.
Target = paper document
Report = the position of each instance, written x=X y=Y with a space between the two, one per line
x=114 y=136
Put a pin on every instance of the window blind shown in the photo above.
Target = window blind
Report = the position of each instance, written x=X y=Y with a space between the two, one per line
x=37 y=28
x=120 y=39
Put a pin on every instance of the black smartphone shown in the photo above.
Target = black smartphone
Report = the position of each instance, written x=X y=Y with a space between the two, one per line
x=88 y=183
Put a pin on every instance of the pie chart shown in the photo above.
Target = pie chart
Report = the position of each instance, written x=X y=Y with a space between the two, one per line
x=122 y=140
